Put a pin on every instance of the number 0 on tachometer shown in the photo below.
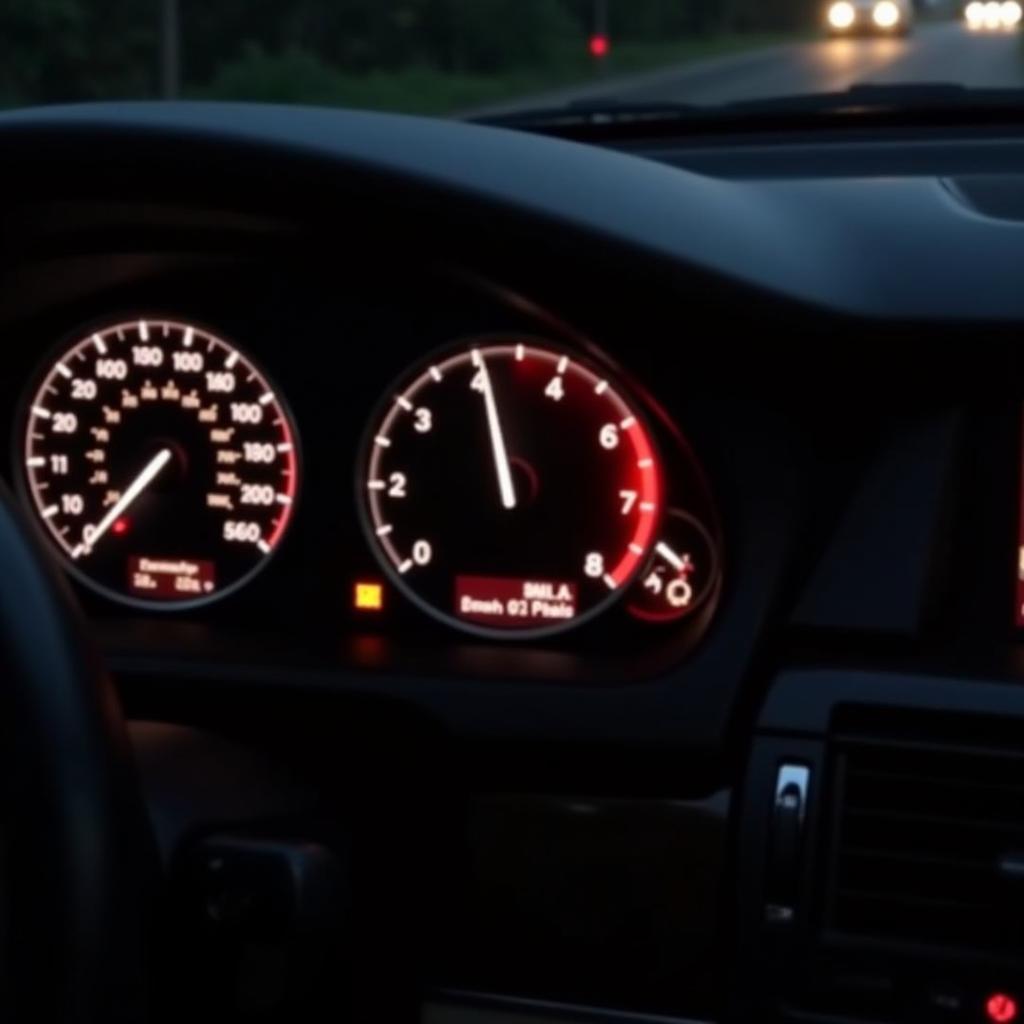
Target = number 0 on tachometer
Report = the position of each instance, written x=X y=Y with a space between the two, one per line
x=511 y=489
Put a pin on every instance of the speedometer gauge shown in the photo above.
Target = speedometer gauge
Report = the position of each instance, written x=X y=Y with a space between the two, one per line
x=160 y=461
x=510 y=488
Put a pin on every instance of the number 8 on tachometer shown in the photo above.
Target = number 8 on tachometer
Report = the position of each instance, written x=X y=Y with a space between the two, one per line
x=510 y=489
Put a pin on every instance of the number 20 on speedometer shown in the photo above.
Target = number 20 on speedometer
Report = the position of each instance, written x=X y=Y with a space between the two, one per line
x=510 y=488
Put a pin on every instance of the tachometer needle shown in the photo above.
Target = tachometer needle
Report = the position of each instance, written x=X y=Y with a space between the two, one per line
x=134 y=489
x=501 y=463
x=670 y=556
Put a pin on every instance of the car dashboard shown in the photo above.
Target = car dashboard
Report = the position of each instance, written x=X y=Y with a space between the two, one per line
x=611 y=552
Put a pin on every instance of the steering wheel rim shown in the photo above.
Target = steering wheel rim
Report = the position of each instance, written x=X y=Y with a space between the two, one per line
x=79 y=860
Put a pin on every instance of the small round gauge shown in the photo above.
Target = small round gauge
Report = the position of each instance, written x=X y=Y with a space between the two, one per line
x=681 y=572
x=510 y=488
x=160 y=461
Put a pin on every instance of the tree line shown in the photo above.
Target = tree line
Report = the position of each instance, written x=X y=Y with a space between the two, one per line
x=61 y=50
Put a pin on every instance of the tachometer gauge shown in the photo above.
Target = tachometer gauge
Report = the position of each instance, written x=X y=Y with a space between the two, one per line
x=510 y=488
x=161 y=462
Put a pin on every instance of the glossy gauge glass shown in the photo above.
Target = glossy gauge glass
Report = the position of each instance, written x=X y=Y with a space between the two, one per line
x=510 y=488
x=160 y=461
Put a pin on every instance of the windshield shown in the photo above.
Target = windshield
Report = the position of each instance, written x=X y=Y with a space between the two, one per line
x=488 y=57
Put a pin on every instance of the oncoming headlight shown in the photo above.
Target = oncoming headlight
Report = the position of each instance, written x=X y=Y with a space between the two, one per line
x=841 y=15
x=887 y=14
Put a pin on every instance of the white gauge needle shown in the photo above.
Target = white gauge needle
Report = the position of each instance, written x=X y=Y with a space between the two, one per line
x=505 y=485
x=670 y=556
x=135 y=488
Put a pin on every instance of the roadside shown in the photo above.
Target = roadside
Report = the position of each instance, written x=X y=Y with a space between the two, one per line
x=937 y=51
x=296 y=77
x=653 y=84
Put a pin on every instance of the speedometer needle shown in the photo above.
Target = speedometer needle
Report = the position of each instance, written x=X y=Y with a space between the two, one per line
x=135 y=488
x=505 y=485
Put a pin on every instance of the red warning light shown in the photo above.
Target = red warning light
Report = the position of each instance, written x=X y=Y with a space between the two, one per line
x=121 y=526
x=599 y=46
x=1001 y=1008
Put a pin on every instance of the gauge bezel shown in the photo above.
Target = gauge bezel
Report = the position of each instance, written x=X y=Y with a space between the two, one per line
x=637 y=407
x=23 y=485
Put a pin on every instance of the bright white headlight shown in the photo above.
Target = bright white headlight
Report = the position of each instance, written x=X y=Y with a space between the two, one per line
x=887 y=14
x=1012 y=13
x=841 y=15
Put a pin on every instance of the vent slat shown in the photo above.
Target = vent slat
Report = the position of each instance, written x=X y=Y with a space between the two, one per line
x=898 y=748
x=952 y=782
x=921 y=832
x=934 y=903
x=947 y=821
x=929 y=859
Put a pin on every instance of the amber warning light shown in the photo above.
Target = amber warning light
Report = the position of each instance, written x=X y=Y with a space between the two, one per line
x=368 y=596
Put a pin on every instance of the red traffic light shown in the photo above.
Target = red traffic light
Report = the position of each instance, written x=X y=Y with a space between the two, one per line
x=1001 y=1008
x=599 y=46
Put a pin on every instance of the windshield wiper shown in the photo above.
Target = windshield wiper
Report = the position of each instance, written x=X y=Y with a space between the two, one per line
x=901 y=98
x=606 y=110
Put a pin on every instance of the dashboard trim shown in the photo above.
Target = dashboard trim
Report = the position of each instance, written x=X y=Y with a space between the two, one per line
x=722 y=227
x=498 y=1009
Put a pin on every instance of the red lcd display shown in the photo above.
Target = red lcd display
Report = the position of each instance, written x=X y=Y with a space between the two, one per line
x=495 y=601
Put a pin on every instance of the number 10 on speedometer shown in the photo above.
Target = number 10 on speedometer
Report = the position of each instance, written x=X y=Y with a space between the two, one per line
x=510 y=488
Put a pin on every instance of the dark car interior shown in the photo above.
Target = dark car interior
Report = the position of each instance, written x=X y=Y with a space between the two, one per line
x=513 y=573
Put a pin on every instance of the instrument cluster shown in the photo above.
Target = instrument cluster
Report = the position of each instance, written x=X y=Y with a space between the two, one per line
x=510 y=483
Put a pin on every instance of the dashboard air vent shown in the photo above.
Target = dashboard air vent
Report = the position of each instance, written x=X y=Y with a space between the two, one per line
x=928 y=847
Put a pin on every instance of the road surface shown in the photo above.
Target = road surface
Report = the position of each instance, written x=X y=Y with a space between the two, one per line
x=944 y=52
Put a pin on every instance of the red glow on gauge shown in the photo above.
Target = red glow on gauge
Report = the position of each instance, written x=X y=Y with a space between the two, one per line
x=290 y=476
x=121 y=526
x=599 y=46
x=1001 y=1008
x=649 y=505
